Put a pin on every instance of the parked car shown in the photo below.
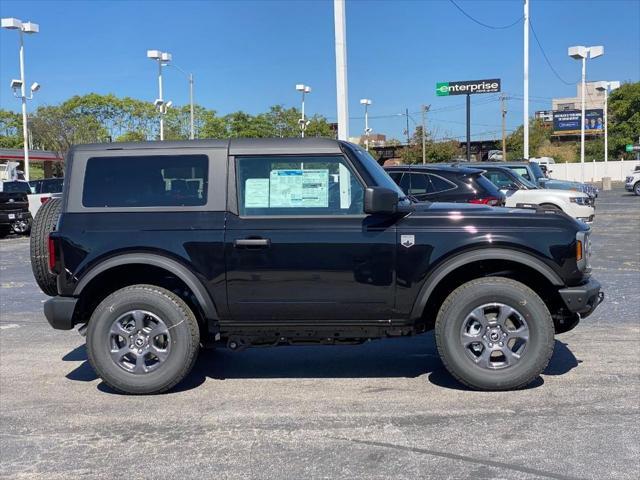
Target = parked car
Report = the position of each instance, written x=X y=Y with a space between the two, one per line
x=163 y=246
x=519 y=190
x=531 y=171
x=632 y=182
x=14 y=208
x=440 y=183
x=41 y=191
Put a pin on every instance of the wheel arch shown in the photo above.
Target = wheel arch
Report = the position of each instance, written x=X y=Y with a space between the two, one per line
x=478 y=257
x=157 y=262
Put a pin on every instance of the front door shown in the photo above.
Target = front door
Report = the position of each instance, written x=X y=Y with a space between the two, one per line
x=300 y=246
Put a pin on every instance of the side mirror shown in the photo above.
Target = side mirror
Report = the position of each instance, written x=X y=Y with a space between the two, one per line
x=380 y=200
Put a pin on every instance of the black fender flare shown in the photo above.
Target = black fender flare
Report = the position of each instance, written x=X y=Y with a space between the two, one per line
x=168 y=264
x=435 y=277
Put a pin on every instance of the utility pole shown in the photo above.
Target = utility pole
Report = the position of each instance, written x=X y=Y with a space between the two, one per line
x=341 y=68
x=425 y=109
x=503 y=109
x=526 y=81
x=406 y=112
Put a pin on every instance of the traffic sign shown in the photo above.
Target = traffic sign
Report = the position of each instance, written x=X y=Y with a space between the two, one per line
x=632 y=148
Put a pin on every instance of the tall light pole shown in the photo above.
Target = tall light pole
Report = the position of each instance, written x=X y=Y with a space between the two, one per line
x=340 y=26
x=163 y=58
x=606 y=87
x=366 y=102
x=425 y=109
x=526 y=81
x=28 y=28
x=191 y=108
x=304 y=89
x=582 y=53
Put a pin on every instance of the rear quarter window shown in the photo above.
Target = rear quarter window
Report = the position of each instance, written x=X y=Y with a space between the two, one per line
x=146 y=181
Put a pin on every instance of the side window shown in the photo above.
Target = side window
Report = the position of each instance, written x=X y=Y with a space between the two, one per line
x=297 y=185
x=395 y=176
x=522 y=171
x=53 y=185
x=419 y=184
x=499 y=179
x=405 y=183
x=146 y=181
x=439 y=184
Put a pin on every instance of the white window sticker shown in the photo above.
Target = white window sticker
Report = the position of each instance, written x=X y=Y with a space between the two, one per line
x=299 y=188
x=256 y=193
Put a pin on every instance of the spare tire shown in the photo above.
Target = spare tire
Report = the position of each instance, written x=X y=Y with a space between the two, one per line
x=42 y=225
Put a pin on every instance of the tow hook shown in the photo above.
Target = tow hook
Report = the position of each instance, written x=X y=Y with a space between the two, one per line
x=83 y=330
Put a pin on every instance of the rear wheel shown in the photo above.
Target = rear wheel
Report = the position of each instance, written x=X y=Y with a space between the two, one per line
x=142 y=339
x=41 y=227
x=494 y=334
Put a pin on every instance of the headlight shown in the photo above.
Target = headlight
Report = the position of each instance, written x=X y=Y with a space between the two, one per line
x=583 y=251
x=579 y=200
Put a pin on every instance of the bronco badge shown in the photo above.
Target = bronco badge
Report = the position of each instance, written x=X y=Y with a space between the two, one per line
x=407 y=241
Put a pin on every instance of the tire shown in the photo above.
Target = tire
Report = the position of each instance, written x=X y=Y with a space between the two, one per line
x=162 y=311
x=41 y=227
x=456 y=325
x=636 y=188
x=551 y=206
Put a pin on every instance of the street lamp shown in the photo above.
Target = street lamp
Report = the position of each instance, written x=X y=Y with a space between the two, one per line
x=191 y=112
x=304 y=89
x=29 y=28
x=366 y=102
x=606 y=87
x=163 y=59
x=581 y=53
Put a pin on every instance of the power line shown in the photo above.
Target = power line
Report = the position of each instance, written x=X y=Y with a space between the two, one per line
x=544 y=54
x=492 y=27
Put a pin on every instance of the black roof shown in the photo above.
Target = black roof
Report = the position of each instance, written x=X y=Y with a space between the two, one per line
x=236 y=146
x=435 y=168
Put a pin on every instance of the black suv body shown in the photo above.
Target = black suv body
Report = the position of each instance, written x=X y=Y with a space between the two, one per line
x=14 y=207
x=440 y=183
x=161 y=247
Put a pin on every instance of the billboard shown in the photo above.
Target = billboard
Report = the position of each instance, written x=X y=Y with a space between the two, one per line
x=567 y=122
x=467 y=87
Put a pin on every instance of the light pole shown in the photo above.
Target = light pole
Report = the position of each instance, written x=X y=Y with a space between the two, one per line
x=29 y=28
x=581 y=53
x=606 y=87
x=526 y=82
x=304 y=89
x=163 y=58
x=191 y=109
x=425 y=109
x=366 y=102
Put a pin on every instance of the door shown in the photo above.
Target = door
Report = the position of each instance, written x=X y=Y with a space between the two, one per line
x=300 y=246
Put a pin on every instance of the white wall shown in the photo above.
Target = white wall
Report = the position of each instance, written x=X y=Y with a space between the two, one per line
x=593 y=171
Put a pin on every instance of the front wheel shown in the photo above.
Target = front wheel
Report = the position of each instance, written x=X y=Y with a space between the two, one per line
x=494 y=333
x=636 y=188
x=142 y=339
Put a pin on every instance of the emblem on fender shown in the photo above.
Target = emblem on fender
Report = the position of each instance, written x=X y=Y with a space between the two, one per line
x=407 y=241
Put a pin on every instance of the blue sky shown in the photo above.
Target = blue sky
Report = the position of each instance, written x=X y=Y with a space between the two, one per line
x=248 y=55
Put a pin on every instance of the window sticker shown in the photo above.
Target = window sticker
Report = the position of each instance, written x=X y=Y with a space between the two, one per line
x=299 y=188
x=256 y=193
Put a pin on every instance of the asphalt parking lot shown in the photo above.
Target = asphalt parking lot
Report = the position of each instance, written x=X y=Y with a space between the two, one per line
x=386 y=409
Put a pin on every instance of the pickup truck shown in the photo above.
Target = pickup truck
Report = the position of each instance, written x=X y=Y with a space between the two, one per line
x=163 y=247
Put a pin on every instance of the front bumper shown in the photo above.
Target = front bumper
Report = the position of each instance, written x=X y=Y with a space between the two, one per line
x=59 y=312
x=583 y=299
x=628 y=187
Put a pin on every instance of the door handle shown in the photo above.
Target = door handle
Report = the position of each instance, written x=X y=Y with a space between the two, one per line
x=251 y=243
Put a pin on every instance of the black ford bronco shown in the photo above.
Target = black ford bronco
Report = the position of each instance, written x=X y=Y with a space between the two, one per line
x=161 y=248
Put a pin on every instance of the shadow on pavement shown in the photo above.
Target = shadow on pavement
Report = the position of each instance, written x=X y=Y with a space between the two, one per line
x=407 y=357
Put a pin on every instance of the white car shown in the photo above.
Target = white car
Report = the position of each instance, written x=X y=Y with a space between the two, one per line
x=519 y=190
x=632 y=182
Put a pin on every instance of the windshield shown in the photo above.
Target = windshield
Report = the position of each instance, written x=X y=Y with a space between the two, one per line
x=380 y=177
x=537 y=171
x=14 y=187
x=524 y=181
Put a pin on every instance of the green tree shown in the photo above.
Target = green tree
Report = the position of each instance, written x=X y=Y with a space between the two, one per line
x=10 y=129
x=624 y=119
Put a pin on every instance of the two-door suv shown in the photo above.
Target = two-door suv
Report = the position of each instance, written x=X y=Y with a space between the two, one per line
x=163 y=247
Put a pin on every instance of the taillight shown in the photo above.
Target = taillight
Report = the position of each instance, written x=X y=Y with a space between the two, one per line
x=44 y=200
x=492 y=201
x=52 y=255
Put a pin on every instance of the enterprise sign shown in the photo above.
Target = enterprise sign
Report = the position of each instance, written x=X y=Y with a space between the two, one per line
x=467 y=87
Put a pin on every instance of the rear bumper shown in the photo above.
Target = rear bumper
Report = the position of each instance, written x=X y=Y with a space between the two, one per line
x=583 y=299
x=59 y=312
x=9 y=217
